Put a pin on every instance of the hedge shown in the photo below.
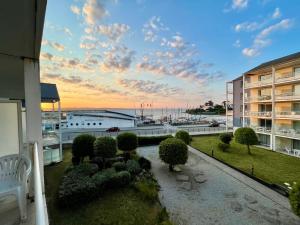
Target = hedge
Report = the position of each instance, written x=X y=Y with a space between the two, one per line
x=153 y=140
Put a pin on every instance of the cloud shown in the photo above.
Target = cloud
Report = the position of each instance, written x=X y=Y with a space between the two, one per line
x=261 y=40
x=149 y=87
x=117 y=59
x=113 y=32
x=247 y=26
x=68 y=31
x=237 y=43
x=93 y=11
x=46 y=56
x=69 y=79
x=276 y=14
x=57 y=46
x=152 y=27
x=239 y=4
x=75 y=9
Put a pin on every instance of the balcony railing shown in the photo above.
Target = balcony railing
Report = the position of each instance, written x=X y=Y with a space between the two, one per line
x=288 y=132
x=287 y=96
x=41 y=215
x=262 y=98
x=259 y=114
x=258 y=83
x=287 y=77
x=288 y=114
x=260 y=129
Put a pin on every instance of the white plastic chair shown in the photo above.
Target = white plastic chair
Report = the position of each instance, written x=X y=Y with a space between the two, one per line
x=289 y=151
x=14 y=173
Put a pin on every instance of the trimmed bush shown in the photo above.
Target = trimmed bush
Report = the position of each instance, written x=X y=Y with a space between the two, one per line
x=83 y=145
x=225 y=137
x=105 y=147
x=133 y=167
x=119 y=166
x=120 y=179
x=153 y=140
x=223 y=146
x=99 y=161
x=76 y=189
x=144 y=163
x=246 y=136
x=127 y=141
x=148 y=189
x=183 y=135
x=173 y=151
x=85 y=169
x=294 y=198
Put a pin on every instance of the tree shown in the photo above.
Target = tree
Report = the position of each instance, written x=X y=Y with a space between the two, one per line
x=105 y=147
x=173 y=151
x=127 y=142
x=83 y=145
x=184 y=136
x=225 y=137
x=246 y=136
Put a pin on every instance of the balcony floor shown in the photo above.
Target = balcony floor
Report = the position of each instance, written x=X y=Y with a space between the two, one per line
x=9 y=212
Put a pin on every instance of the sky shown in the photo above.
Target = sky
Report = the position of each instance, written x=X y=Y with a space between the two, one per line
x=167 y=53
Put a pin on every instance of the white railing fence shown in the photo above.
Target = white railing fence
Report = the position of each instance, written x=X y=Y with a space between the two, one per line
x=41 y=215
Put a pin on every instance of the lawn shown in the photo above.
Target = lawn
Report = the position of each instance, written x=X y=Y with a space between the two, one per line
x=270 y=166
x=124 y=206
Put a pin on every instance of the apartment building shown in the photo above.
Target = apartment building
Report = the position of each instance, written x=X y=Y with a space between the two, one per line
x=269 y=102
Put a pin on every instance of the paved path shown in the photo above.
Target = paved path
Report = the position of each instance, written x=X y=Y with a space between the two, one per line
x=207 y=192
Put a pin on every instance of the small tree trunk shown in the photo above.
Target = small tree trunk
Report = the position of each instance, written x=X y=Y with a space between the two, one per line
x=249 y=151
x=171 y=168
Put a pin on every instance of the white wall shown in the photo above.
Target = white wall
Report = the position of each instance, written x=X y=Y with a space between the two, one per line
x=9 y=128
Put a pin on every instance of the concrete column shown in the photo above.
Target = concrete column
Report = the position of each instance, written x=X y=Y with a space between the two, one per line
x=273 y=111
x=33 y=108
x=60 y=134
x=243 y=100
x=226 y=106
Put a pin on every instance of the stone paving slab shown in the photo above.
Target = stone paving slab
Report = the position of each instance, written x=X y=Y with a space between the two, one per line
x=225 y=198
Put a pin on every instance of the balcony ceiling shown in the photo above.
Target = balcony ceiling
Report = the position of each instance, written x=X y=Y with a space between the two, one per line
x=21 y=24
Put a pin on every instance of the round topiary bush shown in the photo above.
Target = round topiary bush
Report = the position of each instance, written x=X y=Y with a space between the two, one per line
x=105 y=147
x=225 y=137
x=223 y=146
x=184 y=136
x=173 y=151
x=119 y=166
x=294 y=198
x=133 y=167
x=83 y=145
x=127 y=141
x=246 y=136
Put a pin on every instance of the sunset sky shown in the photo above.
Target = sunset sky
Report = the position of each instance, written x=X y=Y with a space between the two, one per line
x=120 y=53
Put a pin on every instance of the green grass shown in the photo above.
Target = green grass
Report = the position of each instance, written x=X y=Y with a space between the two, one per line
x=118 y=207
x=270 y=166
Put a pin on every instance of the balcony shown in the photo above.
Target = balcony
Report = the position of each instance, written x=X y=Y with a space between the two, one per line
x=260 y=129
x=287 y=96
x=262 y=98
x=288 y=115
x=262 y=83
x=288 y=132
x=287 y=77
x=267 y=114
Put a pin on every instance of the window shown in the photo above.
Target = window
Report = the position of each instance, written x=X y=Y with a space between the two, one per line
x=297 y=71
x=77 y=124
x=241 y=84
x=94 y=124
x=241 y=96
x=88 y=124
x=71 y=124
x=100 y=123
x=241 y=108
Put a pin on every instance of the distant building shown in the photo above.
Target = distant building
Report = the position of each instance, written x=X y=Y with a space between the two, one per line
x=267 y=98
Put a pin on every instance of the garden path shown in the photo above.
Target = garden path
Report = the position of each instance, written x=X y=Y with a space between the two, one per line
x=207 y=192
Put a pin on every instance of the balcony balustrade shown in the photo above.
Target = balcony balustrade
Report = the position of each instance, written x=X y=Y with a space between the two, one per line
x=287 y=132
x=261 y=98
x=288 y=114
x=259 y=114
x=261 y=83
x=261 y=129
x=287 y=77
x=287 y=96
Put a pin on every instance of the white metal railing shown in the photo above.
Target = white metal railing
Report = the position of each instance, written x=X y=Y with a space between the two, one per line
x=258 y=83
x=259 y=114
x=258 y=98
x=288 y=132
x=41 y=215
x=287 y=77
x=288 y=114
x=261 y=129
x=287 y=96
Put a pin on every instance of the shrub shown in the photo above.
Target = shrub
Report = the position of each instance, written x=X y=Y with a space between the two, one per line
x=173 y=151
x=294 y=198
x=148 y=189
x=119 y=166
x=153 y=140
x=85 y=169
x=83 y=145
x=127 y=141
x=144 y=163
x=105 y=147
x=99 y=161
x=133 y=167
x=120 y=179
x=226 y=137
x=183 y=135
x=246 y=136
x=75 y=161
x=223 y=146
x=76 y=189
